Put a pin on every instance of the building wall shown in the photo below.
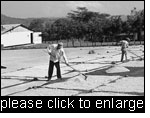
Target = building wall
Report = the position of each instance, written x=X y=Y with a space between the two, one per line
x=37 y=38
x=20 y=35
x=16 y=38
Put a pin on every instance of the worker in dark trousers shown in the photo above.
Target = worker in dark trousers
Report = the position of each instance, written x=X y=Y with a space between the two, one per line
x=124 y=46
x=56 y=51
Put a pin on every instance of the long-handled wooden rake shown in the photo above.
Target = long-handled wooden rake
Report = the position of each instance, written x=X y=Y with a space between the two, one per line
x=77 y=71
x=135 y=54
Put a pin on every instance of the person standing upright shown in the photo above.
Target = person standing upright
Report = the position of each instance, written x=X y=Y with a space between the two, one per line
x=124 y=46
x=56 y=51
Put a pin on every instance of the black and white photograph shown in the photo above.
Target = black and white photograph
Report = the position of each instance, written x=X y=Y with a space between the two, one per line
x=73 y=48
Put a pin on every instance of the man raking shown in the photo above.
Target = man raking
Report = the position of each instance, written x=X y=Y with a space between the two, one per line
x=56 y=51
x=124 y=46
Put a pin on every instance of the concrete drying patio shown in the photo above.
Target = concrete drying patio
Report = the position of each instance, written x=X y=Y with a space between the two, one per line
x=104 y=78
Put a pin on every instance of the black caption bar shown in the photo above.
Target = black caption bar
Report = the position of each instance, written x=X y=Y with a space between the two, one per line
x=73 y=104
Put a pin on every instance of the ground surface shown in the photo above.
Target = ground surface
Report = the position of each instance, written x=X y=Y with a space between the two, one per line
x=106 y=76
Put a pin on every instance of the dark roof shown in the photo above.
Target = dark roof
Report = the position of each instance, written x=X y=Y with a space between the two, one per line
x=9 y=27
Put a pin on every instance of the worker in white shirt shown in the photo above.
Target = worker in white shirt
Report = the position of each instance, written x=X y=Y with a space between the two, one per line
x=56 y=51
x=124 y=46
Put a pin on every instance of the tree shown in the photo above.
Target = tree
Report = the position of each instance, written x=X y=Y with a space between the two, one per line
x=83 y=24
x=136 y=20
x=88 y=24
x=37 y=25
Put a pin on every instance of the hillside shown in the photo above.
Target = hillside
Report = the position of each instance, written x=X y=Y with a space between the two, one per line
x=10 y=20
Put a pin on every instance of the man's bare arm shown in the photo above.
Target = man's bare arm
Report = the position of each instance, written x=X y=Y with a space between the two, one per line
x=65 y=58
x=49 y=50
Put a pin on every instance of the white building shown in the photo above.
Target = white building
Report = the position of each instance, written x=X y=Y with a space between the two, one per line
x=18 y=34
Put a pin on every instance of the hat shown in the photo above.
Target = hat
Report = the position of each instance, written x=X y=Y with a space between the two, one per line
x=60 y=44
x=127 y=39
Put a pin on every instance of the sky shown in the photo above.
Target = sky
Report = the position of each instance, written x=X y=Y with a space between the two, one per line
x=36 y=9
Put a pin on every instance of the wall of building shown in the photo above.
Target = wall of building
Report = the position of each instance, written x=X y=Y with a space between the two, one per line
x=16 y=38
x=37 y=37
x=20 y=35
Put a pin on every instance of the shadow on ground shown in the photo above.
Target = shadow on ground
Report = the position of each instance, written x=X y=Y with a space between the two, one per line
x=130 y=93
x=134 y=72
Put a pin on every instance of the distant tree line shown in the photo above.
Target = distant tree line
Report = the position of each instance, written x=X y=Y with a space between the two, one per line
x=83 y=24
